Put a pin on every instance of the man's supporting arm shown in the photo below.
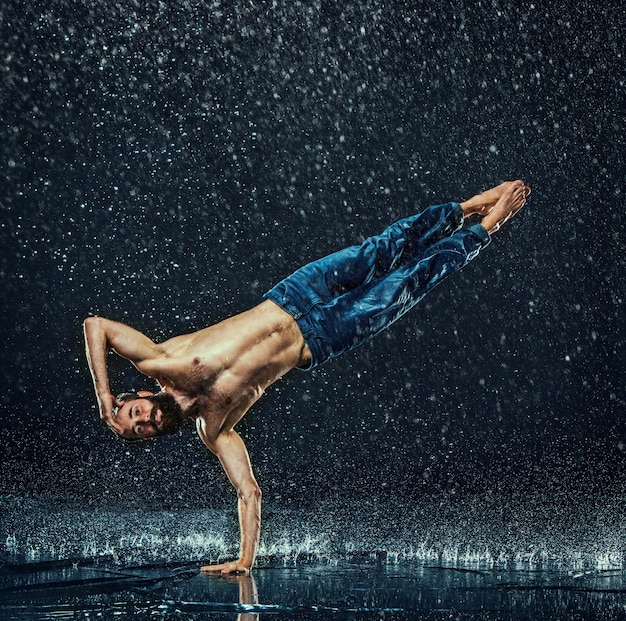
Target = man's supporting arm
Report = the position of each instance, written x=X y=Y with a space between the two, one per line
x=233 y=455
x=102 y=334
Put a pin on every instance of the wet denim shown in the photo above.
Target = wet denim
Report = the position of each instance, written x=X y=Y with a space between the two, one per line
x=343 y=300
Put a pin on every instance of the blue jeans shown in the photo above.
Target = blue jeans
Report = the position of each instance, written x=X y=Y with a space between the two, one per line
x=348 y=297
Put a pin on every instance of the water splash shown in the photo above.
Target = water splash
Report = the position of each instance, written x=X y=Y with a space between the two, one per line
x=331 y=534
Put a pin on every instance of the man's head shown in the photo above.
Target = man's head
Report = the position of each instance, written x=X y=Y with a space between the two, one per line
x=144 y=415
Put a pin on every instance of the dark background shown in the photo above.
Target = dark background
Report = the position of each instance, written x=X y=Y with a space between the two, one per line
x=164 y=164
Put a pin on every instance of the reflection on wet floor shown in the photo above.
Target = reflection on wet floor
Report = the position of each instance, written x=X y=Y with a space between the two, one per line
x=97 y=588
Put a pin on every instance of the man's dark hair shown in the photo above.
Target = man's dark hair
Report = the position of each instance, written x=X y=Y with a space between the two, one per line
x=172 y=420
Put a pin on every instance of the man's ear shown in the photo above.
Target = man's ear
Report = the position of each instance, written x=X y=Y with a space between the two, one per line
x=144 y=393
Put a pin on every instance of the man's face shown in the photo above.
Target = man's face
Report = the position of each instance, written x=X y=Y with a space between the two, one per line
x=138 y=419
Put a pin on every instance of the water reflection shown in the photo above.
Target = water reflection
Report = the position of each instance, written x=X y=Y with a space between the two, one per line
x=100 y=589
x=248 y=596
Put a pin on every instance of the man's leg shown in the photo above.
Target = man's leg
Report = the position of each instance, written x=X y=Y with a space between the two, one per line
x=390 y=271
x=323 y=280
x=399 y=243
x=380 y=254
x=358 y=315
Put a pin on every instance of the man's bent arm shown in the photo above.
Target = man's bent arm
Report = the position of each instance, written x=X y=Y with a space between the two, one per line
x=233 y=456
x=100 y=334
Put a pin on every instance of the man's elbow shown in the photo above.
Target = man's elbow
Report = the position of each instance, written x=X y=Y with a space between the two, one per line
x=249 y=493
x=92 y=323
x=89 y=321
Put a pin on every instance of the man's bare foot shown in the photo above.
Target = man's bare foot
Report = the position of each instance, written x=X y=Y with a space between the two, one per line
x=511 y=201
x=483 y=203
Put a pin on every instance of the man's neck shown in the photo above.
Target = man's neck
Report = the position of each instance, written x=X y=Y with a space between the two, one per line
x=188 y=405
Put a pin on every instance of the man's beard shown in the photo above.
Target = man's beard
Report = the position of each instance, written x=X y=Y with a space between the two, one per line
x=171 y=413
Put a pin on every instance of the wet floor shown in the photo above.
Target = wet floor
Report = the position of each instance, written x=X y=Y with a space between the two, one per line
x=430 y=561
x=97 y=588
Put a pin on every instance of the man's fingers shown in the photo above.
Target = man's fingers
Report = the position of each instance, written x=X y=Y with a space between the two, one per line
x=106 y=414
x=212 y=569
x=225 y=568
x=236 y=570
x=208 y=569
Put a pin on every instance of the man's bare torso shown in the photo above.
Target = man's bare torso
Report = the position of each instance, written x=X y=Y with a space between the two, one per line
x=216 y=374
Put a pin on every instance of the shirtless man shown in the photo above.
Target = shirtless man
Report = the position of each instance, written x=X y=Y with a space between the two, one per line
x=330 y=306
